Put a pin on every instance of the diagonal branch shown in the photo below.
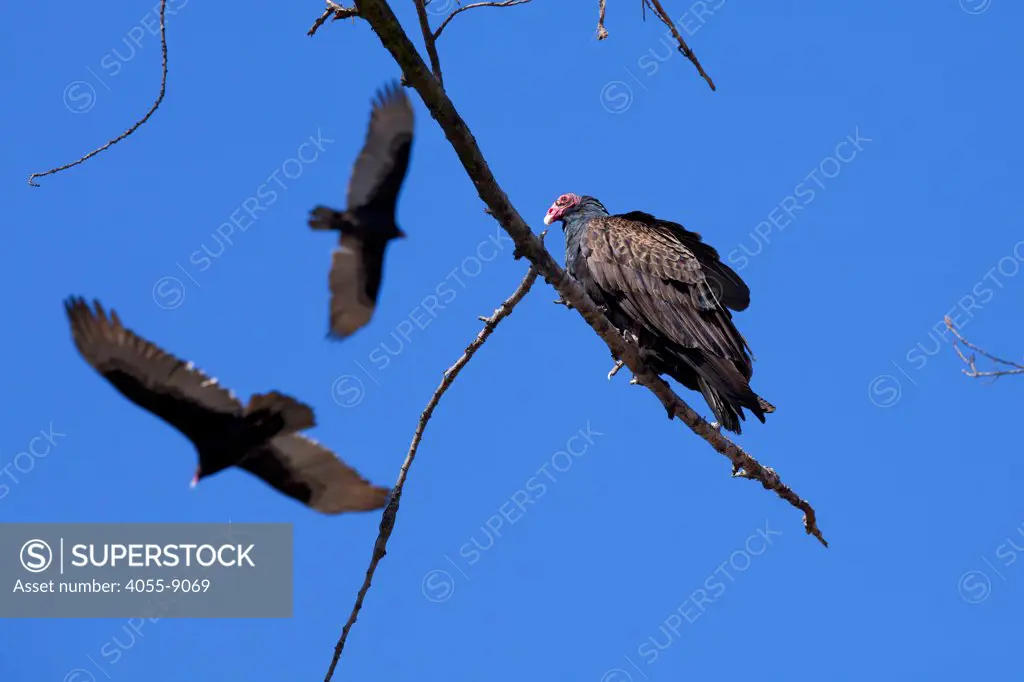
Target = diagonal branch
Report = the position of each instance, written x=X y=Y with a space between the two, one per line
x=138 y=124
x=460 y=10
x=683 y=47
x=387 y=522
x=384 y=23
x=970 y=362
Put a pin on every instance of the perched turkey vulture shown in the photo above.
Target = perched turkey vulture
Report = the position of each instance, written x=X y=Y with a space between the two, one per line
x=261 y=437
x=368 y=224
x=661 y=284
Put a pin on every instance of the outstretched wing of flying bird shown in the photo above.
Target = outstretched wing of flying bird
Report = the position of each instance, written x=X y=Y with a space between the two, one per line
x=356 y=267
x=305 y=470
x=172 y=389
x=384 y=160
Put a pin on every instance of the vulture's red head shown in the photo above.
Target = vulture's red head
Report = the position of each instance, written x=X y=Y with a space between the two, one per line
x=563 y=204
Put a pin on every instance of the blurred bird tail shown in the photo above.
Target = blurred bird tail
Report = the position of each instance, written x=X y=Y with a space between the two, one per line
x=324 y=218
x=295 y=415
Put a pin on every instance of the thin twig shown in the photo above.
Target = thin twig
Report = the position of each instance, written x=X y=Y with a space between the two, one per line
x=384 y=23
x=602 y=32
x=970 y=362
x=683 y=47
x=460 y=10
x=138 y=124
x=429 y=39
x=337 y=10
x=387 y=522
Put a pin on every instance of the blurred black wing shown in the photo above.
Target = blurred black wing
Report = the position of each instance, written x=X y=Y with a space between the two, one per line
x=172 y=389
x=356 y=269
x=304 y=470
x=384 y=160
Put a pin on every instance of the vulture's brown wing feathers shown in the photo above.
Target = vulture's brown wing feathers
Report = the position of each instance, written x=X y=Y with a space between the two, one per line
x=661 y=284
x=310 y=473
x=731 y=289
x=174 y=390
x=382 y=164
x=356 y=268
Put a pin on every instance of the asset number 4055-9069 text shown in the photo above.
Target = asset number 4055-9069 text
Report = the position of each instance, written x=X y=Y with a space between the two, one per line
x=161 y=585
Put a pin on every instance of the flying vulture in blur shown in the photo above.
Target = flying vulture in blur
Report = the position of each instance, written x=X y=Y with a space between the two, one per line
x=659 y=283
x=368 y=224
x=261 y=437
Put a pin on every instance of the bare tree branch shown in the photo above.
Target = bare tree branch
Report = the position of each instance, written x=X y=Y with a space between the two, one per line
x=387 y=522
x=683 y=47
x=970 y=362
x=602 y=32
x=429 y=39
x=337 y=10
x=138 y=124
x=384 y=23
x=460 y=10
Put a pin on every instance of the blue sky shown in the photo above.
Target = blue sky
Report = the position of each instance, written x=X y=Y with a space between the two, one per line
x=642 y=559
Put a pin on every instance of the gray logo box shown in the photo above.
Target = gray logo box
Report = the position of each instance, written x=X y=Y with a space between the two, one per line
x=146 y=570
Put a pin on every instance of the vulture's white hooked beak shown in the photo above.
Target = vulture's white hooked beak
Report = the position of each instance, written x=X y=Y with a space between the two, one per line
x=195 y=480
x=553 y=214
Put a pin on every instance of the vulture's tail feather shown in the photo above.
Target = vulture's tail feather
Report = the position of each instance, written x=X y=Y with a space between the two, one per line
x=297 y=416
x=725 y=414
x=325 y=218
x=726 y=391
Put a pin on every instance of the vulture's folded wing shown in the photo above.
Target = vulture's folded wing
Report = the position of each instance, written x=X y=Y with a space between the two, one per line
x=660 y=283
x=153 y=379
x=304 y=470
x=732 y=291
